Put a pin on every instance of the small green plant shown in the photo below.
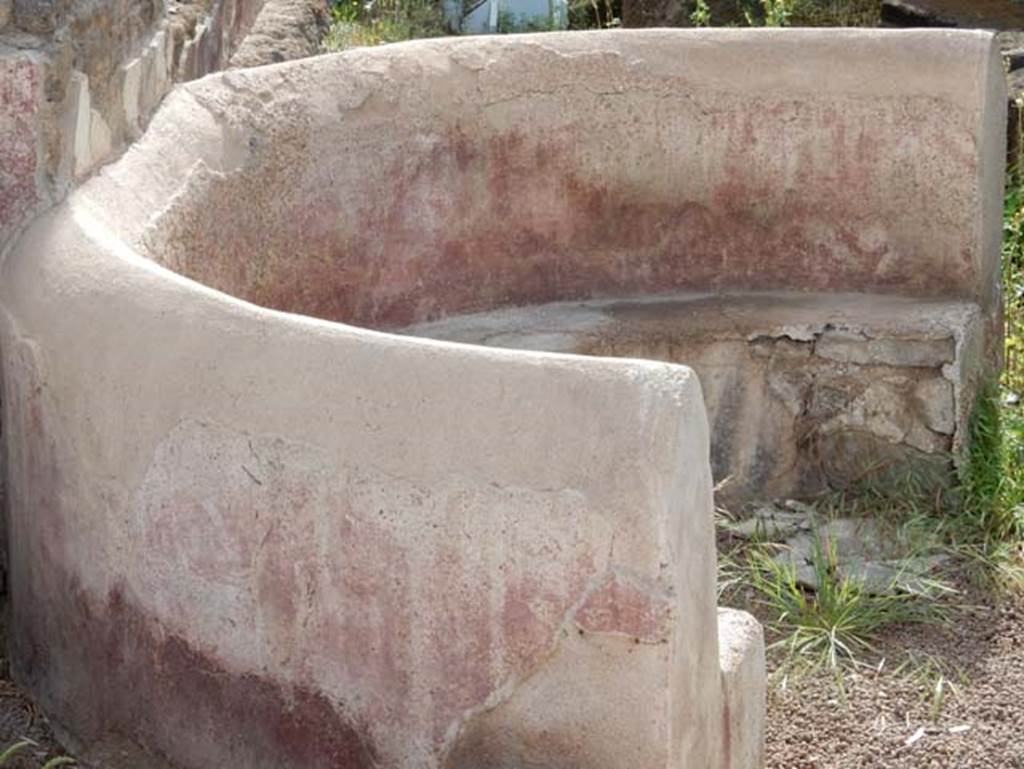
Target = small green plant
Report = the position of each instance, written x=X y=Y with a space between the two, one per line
x=701 y=15
x=18 y=747
x=773 y=13
x=937 y=679
x=992 y=483
x=835 y=624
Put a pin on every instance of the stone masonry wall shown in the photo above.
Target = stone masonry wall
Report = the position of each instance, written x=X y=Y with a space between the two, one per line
x=79 y=80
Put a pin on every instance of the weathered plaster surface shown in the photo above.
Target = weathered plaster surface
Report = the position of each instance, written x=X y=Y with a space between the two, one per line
x=248 y=538
x=479 y=175
x=482 y=174
x=418 y=553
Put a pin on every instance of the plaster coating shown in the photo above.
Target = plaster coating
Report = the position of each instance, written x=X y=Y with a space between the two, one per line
x=415 y=552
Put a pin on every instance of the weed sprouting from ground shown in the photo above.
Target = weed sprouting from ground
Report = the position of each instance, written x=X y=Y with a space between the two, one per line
x=14 y=751
x=992 y=481
x=986 y=523
x=836 y=624
x=938 y=680
x=840 y=620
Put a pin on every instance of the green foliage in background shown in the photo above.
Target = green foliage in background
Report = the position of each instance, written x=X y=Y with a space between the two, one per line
x=594 y=14
x=771 y=13
x=355 y=23
x=701 y=15
x=358 y=23
x=835 y=13
x=787 y=13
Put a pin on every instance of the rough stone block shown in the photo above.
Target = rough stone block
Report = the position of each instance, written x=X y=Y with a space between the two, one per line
x=37 y=16
x=82 y=145
x=936 y=398
x=132 y=93
x=854 y=347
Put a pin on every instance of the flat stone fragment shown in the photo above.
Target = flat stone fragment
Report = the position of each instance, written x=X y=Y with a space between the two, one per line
x=938 y=404
x=772 y=524
x=850 y=347
x=859 y=550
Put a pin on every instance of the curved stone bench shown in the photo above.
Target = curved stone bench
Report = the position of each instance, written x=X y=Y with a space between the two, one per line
x=246 y=537
x=240 y=537
x=851 y=179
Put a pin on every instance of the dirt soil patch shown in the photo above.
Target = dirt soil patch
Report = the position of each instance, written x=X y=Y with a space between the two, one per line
x=891 y=718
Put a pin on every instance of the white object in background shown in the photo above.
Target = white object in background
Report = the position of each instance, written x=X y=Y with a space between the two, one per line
x=475 y=17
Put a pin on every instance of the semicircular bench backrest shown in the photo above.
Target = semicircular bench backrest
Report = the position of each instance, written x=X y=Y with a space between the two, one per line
x=389 y=187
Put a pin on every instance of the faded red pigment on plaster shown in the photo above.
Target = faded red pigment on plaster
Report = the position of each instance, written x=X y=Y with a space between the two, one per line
x=19 y=105
x=231 y=719
x=81 y=653
x=466 y=223
x=406 y=650
x=623 y=607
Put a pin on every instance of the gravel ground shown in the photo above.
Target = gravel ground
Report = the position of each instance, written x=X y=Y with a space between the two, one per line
x=887 y=718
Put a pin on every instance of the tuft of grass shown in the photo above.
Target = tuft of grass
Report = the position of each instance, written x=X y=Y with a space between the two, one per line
x=986 y=525
x=839 y=622
x=991 y=504
x=11 y=751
